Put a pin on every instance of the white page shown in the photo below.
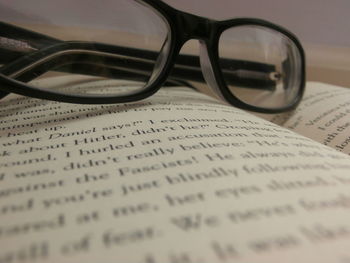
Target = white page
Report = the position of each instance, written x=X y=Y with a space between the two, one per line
x=323 y=115
x=175 y=178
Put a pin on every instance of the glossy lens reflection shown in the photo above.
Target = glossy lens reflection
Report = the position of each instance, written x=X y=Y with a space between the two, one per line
x=120 y=40
x=261 y=66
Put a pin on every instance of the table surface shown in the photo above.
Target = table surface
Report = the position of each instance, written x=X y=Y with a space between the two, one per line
x=329 y=64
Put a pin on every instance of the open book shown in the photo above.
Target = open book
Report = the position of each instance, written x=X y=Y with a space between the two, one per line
x=179 y=177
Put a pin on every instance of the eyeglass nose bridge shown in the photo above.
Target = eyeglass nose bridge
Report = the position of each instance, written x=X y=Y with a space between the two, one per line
x=200 y=28
x=193 y=27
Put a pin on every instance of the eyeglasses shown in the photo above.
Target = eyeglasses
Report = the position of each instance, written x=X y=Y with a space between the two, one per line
x=249 y=63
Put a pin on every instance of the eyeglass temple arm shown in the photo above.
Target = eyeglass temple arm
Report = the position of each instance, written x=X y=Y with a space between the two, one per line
x=242 y=73
x=17 y=43
x=13 y=43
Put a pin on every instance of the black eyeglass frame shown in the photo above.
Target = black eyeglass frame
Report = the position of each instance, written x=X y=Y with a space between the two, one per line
x=182 y=27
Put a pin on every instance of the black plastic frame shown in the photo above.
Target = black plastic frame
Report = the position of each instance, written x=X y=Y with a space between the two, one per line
x=182 y=27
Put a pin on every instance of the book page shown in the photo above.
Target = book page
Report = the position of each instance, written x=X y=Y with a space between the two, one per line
x=323 y=115
x=174 y=178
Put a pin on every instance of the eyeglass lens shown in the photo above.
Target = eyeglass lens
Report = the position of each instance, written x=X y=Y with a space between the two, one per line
x=127 y=24
x=266 y=61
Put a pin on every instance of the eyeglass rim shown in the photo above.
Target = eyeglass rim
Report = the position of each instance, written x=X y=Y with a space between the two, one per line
x=213 y=53
x=177 y=39
x=10 y=85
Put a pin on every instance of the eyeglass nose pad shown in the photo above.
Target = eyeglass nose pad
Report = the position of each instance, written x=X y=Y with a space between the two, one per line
x=207 y=70
x=161 y=59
